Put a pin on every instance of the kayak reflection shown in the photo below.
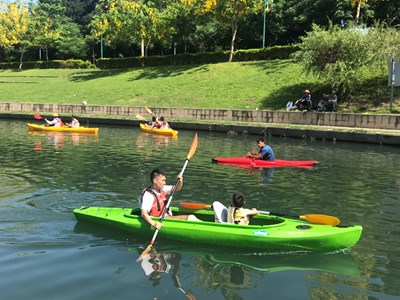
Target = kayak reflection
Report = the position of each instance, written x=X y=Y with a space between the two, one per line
x=218 y=268
x=155 y=265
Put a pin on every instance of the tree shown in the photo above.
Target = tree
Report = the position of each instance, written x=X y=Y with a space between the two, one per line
x=229 y=12
x=46 y=24
x=14 y=25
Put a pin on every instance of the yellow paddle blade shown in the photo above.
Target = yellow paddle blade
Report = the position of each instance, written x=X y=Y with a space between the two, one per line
x=194 y=205
x=145 y=252
x=149 y=110
x=321 y=219
x=193 y=147
x=140 y=117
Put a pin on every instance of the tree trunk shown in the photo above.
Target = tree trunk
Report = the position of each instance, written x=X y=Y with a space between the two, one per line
x=142 y=48
x=21 y=58
x=40 y=54
x=358 y=11
x=234 y=32
x=47 y=53
x=147 y=47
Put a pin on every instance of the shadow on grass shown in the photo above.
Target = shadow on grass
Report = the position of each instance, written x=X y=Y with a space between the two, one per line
x=140 y=73
x=96 y=74
x=165 y=71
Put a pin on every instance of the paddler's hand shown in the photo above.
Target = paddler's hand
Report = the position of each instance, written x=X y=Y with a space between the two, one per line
x=179 y=177
x=157 y=225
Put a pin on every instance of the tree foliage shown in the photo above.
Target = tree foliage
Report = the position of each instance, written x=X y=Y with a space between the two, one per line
x=341 y=55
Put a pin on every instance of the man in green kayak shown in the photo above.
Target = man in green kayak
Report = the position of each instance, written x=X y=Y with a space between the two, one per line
x=265 y=153
x=155 y=197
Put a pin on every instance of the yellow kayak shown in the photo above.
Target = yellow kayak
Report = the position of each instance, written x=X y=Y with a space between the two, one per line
x=82 y=129
x=164 y=131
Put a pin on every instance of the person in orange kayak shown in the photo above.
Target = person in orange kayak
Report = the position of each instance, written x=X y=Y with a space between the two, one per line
x=74 y=122
x=265 y=153
x=56 y=122
x=154 y=199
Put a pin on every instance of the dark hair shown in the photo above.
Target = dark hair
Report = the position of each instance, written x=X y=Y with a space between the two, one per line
x=73 y=116
x=155 y=173
x=154 y=118
x=260 y=140
x=237 y=200
x=162 y=118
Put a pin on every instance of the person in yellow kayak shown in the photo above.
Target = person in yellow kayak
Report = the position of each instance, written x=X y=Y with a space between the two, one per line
x=154 y=199
x=56 y=122
x=164 y=124
x=154 y=123
x=74 y=122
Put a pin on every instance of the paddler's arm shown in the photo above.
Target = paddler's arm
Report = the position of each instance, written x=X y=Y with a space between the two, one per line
x=180 y=183
x=148 y=219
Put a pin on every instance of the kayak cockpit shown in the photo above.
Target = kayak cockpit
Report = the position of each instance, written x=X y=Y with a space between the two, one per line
x=207 y=215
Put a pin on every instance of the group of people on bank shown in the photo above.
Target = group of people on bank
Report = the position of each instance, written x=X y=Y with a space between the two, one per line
x=327 y=103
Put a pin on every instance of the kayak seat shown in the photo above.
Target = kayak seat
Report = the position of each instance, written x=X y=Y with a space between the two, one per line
x=220 y=212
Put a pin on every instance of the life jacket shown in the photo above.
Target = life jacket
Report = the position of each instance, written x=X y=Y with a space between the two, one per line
x=238 y=215
x=59 y=123
x=159 y=202
x=156 y=124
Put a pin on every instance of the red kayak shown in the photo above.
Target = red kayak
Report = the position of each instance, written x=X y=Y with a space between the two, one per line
x=259 y=163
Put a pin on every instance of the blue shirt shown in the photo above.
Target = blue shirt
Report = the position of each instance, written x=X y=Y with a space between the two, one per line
x=267 y=153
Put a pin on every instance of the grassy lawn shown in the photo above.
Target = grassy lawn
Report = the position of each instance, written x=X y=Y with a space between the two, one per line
x=260 y=84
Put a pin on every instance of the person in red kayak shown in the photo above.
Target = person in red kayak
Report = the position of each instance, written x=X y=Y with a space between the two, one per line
x=155 y=197
x=265 y=153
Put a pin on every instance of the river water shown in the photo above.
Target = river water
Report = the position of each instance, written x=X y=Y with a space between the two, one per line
x=46 y=254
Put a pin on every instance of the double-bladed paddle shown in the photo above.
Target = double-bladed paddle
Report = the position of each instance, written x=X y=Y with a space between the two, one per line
x=37 y=117
x=312 y=218
x=191 y=152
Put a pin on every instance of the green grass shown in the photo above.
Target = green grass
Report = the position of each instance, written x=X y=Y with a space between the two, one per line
x=261 y=84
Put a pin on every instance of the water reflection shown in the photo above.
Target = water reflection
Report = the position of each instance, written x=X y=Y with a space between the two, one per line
x=59 y=139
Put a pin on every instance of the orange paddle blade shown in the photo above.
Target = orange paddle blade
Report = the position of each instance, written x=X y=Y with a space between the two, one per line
x=321 y=219
x=194 y=205
x=145 y=252
x=193 y=147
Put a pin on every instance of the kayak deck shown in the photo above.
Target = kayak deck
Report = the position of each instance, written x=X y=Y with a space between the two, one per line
x=82 y=129
x=265 y=232
x=162 y=131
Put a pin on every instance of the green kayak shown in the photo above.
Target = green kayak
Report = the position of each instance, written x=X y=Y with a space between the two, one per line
x=265 y=232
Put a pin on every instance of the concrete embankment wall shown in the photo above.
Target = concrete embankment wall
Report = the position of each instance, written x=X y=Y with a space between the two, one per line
x=389 y=122
x=266 y=118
